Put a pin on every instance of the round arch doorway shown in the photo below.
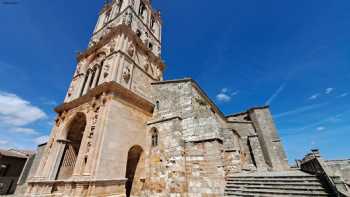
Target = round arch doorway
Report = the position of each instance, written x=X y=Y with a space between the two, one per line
x=74 y=138
x=134 y=170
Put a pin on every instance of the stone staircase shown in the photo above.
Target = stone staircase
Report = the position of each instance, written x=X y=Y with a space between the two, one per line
x=291 y=183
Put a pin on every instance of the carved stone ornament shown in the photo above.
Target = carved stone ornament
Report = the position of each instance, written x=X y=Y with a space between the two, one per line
x=132 y=2
x=158 y=73
x=105 y=71
x=77 y=72
x=131 y=50
x=60 y=118
x=93 y=43
x=146 y=66
x=112 y=46
x=126 y=74
x=70 y=90
x=128 y=18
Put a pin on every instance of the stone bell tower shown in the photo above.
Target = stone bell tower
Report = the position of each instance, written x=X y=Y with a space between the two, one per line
x=97 y=144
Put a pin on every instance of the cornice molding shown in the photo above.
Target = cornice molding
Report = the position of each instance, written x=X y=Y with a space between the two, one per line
x=109 y=87
x=126 y=30
x=163 y=120
x=138 y=17
x=82 y=181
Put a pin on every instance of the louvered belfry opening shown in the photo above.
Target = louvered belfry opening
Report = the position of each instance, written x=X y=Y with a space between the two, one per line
x=72 y=146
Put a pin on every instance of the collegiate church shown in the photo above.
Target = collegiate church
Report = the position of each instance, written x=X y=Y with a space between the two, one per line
x=123 y=131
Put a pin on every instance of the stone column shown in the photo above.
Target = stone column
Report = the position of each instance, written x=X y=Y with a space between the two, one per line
x=81 y=86
x=87 y=84
x=115 y=68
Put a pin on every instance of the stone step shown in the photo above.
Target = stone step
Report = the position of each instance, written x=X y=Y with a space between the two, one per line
x=276 y=192
x=294 y=173
x=265 y=183
x=237 y=194
x=274 y=181
x=245 y=195
x=271 y=176
x=280 y=187
x=291 y=183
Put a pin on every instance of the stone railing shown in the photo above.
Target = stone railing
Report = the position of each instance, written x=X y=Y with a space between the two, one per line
x=314 y=164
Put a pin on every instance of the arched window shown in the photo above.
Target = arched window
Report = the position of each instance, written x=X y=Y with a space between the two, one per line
x=142 y=9
x=152 y=22
x=84 y=83
x=92 y=73
x=154 y=137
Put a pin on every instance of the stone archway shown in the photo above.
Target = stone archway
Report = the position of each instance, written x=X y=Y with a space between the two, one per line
x=134 y=170
x=72 y=146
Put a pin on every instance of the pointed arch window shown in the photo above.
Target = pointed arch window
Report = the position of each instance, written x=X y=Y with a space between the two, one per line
x=142 y=9
x=153 y=21
x=155 y=137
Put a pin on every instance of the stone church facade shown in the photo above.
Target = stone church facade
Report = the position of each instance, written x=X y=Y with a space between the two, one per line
x=124 y=131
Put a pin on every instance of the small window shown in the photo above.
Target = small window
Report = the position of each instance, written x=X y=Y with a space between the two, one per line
x=142 y=9
x=154 y=137
x=150 y=46
x=157 y=105
x=152 y=22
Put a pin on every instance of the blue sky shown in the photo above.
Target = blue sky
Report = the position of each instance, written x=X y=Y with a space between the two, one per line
x=293 y=55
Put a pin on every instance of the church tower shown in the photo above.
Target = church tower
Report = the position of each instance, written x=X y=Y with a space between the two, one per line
x=98 y=143
x=123 y=131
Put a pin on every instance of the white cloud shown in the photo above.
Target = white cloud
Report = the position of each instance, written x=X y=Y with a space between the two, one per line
x=321 y=128
x=329 y=90
x=275 y=94
x=226 y=95
x=22 y=130
x=224 y=90
x=315 y=96
x=15 y=111
x=344 y=95
x=223 y=97
x=3 y=142
x=41 y=139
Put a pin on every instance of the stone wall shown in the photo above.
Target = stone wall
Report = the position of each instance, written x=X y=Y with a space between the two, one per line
x=122 y=128
x=166 y=173
x=340 y=168
x=201 y=138
x=270 y=142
